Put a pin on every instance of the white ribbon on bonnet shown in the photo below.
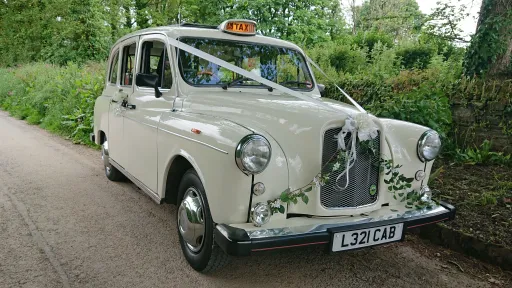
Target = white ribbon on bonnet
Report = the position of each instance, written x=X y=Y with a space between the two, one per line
x=362 y=126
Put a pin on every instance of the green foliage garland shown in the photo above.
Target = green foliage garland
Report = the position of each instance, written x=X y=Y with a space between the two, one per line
x=397 y=183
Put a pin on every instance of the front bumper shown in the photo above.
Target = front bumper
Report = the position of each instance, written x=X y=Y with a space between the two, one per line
x=242 y=242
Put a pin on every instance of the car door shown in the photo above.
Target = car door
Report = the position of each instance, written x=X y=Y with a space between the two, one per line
x=115 y=119
x=123 y=87
x=141 y=120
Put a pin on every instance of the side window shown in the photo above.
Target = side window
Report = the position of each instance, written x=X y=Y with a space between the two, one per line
x=112 y=76
x=155 y=60
x=128 y=64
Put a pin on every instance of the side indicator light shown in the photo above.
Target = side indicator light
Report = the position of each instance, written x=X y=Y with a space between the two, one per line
x=196 y=131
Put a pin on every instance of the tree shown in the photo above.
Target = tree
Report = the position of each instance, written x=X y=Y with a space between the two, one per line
x=304 y=22
x=490 y=50
x=399 y=18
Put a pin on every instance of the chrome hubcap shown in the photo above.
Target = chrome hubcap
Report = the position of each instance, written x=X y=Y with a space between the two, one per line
x=104 y=156
x=191 y=220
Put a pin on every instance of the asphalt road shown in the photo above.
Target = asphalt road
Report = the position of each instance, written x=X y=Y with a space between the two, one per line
x=63 y=224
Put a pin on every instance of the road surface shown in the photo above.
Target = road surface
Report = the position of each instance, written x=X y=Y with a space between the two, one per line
x=63 y=224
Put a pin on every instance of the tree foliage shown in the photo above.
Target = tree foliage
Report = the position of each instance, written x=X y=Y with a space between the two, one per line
x=59 y=31
x=490 y=50
x=398 y=18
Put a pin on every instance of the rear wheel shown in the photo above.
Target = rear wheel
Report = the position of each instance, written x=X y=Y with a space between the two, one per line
x=110 y=171
x=195 y=226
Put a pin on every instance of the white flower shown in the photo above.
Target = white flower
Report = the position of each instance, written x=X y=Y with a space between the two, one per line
x=276 y=203
x=317 y=181
x=336 y=166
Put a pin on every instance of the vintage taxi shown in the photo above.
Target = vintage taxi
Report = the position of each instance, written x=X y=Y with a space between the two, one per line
x=231 y=126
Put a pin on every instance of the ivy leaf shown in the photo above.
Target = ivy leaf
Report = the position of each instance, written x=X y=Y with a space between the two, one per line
x=308 y=189
x=294 y=200
x=394 y=210
x=408 y=180
x=305 y=199
x=394 y=197
x=284 y=197
x=281 y=209
x=408 y=185
x=387 y=181
x=401 y=194
x=390 y=188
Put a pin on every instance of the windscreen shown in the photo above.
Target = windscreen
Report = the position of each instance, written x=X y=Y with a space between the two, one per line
x=282 y=65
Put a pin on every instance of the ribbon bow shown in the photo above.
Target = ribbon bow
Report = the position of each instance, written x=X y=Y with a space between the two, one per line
x=363 y=128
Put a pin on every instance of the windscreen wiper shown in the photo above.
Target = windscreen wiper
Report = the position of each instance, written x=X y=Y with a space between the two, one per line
x=241 y=79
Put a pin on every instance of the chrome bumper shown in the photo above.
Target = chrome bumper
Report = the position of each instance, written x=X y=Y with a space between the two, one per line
x=241 y=242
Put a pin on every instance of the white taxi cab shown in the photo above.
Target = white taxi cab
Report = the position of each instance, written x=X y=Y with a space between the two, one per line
x=230 y=126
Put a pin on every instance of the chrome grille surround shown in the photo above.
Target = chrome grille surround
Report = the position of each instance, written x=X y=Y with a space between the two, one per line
x=362 y=175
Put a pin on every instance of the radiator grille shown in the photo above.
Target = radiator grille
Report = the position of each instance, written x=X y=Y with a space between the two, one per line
x=362 y=175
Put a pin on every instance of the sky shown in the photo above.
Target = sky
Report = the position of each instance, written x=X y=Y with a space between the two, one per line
x=426 y=6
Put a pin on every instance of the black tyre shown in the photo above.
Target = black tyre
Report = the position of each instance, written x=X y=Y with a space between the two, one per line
x=195 y=226
x=110 y=171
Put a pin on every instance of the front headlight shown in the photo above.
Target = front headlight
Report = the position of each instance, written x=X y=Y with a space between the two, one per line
x=429 y=146
x=252 y=154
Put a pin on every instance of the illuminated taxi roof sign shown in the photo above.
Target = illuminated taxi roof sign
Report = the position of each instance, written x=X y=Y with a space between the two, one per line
x=239 y=27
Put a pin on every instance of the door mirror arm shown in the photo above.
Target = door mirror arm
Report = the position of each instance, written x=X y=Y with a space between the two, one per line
x=321 y=88
x=148 y=80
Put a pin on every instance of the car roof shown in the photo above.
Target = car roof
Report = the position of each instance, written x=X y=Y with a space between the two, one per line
x=206 y=31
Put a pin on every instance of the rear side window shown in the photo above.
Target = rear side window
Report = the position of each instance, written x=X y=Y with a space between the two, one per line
x=128 y=65
x=155 y=61
x=112 y=78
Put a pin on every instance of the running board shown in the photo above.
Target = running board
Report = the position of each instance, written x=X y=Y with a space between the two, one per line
x=135 y=181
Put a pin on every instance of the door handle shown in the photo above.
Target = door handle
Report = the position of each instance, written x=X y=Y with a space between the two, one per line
x=131 y=106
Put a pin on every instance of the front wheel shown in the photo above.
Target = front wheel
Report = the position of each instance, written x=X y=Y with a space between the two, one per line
x=195 y=226
x=110 y=171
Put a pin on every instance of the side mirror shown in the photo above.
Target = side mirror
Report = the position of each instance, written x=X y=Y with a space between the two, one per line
x=321 y=88
x=148 y=80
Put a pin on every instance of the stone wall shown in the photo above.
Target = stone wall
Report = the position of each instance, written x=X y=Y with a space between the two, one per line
x=477 y=121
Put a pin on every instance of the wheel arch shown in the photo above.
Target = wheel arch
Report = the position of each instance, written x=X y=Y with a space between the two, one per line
x=176 y=168
x=101 y=137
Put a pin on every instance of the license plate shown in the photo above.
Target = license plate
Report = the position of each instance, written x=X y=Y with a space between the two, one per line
x=367 y=237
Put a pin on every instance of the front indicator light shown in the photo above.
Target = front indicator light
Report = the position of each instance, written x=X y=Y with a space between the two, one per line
x=426 y=194
x=258 y=189
x=260 y=214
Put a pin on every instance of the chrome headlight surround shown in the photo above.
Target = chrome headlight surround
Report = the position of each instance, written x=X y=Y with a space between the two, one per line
x=241 y=153
x=429 y=140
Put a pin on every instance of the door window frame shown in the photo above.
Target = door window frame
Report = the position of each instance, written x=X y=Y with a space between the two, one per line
x=127 y=43
x=111 y=61
x=163 y=39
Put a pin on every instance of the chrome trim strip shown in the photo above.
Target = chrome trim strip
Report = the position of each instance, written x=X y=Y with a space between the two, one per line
x=140 y=122
x=194 y=140
x=313 y=228
x=135 y=181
